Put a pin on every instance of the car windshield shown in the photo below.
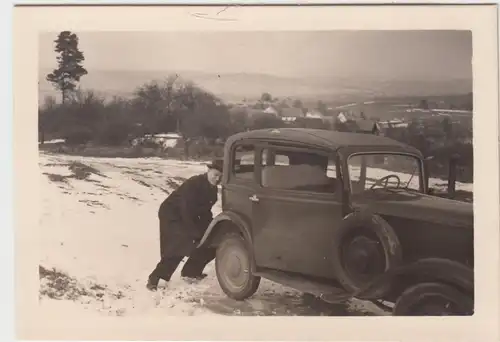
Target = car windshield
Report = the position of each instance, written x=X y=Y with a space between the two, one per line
x=384 y=171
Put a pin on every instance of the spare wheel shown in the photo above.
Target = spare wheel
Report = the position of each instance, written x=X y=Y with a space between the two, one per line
x=364 y=247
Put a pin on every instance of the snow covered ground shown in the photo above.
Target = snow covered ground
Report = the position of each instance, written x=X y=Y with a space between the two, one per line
x=100 y=242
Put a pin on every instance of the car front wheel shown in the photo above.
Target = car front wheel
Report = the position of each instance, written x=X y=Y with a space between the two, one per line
x=233 y=268
x=433 y=299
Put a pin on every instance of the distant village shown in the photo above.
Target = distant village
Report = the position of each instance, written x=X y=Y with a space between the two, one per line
x=415 y=119
x=365 y=117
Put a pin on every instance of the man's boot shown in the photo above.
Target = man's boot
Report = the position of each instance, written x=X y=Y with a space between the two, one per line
x=152 y=284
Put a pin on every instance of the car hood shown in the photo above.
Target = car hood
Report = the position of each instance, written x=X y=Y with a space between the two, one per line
x=417 y=206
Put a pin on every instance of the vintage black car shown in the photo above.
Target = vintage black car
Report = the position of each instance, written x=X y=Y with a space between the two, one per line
x=341 y=215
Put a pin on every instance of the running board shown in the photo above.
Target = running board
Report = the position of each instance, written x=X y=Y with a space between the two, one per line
x=328 y=293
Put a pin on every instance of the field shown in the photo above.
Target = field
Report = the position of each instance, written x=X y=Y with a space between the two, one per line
x=406 y=108
x=100 y=242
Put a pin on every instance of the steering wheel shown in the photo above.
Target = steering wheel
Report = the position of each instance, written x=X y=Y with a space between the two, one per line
x=386 y=179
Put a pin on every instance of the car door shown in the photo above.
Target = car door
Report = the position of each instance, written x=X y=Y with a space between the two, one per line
x=241 y=180
x=293 y=223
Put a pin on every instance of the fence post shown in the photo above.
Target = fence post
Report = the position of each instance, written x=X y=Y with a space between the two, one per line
x=452 y=175
x=426 y=173
x=41 y=134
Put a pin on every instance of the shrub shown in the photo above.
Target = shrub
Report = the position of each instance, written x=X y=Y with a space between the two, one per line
x=114 y=134
x=78 y=136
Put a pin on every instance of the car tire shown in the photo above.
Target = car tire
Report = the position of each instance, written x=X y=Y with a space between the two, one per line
x=384 y=244
x=448 y=301
x=233 y=267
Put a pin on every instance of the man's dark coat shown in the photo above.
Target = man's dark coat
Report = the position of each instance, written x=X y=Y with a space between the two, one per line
x=185 y=215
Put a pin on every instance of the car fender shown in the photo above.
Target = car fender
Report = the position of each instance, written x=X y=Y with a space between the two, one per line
x=239 y=222
x=439 y=269
x=425 y=270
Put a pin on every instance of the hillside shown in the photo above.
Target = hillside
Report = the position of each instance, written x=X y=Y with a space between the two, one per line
x=236 y=86
x=407 y=108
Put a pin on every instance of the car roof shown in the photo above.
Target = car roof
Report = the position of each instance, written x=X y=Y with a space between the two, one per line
x=323 y=138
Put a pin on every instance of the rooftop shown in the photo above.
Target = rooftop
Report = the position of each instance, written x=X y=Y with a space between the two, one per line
x=292 y=112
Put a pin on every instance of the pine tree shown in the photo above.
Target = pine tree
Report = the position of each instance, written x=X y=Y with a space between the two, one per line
x=66 y=77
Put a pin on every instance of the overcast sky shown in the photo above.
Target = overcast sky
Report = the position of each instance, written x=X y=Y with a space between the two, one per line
x=398 y=54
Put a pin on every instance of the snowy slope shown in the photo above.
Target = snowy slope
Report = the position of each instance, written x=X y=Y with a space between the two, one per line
x=100 y=242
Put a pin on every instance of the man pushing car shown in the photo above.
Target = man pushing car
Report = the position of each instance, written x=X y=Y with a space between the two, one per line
x=184 y=217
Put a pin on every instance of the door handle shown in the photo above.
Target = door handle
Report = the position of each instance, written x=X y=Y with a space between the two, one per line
x=254 y=198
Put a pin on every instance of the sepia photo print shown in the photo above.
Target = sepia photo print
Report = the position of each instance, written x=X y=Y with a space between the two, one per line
x=346 y=123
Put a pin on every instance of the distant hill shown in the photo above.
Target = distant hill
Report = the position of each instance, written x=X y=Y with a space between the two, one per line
x=236 y=86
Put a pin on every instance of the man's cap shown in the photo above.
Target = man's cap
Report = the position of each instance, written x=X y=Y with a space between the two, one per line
x=216 y=164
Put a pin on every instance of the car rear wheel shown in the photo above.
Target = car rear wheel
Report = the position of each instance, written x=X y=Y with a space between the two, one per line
x=433 y=299
x=233 y=268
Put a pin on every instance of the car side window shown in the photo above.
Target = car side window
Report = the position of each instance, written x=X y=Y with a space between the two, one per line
x=298 y=170
x=244 y=162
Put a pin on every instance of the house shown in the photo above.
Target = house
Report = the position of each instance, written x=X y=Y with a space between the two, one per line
x=345 y=116
x=396 y=123
x=165 y=140
x=367 y=126
x=291 y=114
x=395 y=128
x=289 y=119
x=271 y=110
x=254 y=113
x=360 y=126
x=314 y=114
